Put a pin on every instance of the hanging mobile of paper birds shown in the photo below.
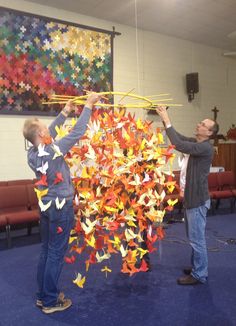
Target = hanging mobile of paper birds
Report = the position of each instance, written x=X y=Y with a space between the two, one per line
x=121 y=173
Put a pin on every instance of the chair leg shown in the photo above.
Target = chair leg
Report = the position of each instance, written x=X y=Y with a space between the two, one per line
x=213 y=206
x=8 y=235
x=217 y=204
x=232 y=203
x=29 y=229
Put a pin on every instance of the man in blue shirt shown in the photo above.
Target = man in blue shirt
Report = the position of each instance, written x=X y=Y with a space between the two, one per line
x=55 y=194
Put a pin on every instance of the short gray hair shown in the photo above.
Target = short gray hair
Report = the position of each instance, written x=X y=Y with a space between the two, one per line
x=30 y=129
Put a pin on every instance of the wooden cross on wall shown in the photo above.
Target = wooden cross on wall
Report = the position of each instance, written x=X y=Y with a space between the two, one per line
x=220 y=136
x=215 y=111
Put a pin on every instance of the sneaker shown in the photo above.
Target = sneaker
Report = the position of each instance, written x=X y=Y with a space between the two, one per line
x=59 y=306
x=39 y=303
x=187 y=271
x=188 y=280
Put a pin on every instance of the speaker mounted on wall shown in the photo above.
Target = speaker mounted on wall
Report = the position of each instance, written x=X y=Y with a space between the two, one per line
x=192 y=85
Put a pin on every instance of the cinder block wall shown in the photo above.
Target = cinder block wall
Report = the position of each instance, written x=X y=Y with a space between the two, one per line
x=162 y=65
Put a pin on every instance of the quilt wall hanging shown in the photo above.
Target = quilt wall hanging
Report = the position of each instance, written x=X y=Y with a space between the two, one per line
x=40 y=56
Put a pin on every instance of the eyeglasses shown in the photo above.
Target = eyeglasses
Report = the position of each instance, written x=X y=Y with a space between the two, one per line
x=204 y=125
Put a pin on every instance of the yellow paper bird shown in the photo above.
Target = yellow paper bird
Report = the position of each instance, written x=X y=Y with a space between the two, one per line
x=73 y=121
x=79 y=281
x=40 y=193
x=139 y=124
x=142 y=252
x=72 y=239
x=116 y=242
x=91 y=242
x=84 y=173
x=61 y=132
x=106 y=270
x=172 y=202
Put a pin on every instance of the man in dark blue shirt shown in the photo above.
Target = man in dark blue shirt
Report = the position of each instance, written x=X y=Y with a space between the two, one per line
x=55 y=195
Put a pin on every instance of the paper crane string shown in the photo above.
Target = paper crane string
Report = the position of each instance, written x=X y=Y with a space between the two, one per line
x=148 y=102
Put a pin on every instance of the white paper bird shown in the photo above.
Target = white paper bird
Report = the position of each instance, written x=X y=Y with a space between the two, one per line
x=41 y=151
x=59 y=204
x=43 y=168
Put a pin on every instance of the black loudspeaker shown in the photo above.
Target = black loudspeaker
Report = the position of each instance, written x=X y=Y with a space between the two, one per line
x=192 y=84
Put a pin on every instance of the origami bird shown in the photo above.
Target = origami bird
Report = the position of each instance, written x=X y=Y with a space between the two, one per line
x=79 y=280
x=43 y=207
x=41 y=151
x=59 y=204
x=43 y=168
x=57 y=151
x=106 y=270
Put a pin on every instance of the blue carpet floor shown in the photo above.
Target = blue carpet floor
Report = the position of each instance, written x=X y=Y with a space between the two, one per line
x=146 y=299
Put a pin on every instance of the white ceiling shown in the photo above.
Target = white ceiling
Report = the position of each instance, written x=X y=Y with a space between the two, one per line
x=204 y=21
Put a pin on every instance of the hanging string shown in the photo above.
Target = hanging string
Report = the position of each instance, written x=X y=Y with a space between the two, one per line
x=137 y=45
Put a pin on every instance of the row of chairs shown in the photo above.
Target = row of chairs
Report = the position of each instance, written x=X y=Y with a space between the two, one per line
x=18 y=206
x=222 y=186
x=17 y=182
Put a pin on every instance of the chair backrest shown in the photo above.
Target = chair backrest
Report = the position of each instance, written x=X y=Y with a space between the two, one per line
x=13 y=196
x=213 y=183
x=32 y=197
x=3 y=183
x=226 y=180
x=19 y=182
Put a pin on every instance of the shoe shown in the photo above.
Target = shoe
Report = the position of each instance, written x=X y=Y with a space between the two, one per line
x=188 y=280
x=59 y=306
x=187 y=271
x=39 y=303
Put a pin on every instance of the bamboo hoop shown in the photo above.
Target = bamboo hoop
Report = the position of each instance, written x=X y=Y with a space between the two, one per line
x=146 y=103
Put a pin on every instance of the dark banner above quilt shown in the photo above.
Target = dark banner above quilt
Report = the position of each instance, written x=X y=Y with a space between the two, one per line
x=41 y=56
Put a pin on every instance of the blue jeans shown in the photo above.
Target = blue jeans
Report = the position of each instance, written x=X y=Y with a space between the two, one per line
x=195 y=219
x=55 y=231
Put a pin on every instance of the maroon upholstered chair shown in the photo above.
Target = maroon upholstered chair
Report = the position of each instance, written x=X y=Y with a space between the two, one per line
x=3 y=224
x=19 y=182
x=14 y=205
x=227 y=188
x=32 y=197
x=3 y=183
x=213 y=186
